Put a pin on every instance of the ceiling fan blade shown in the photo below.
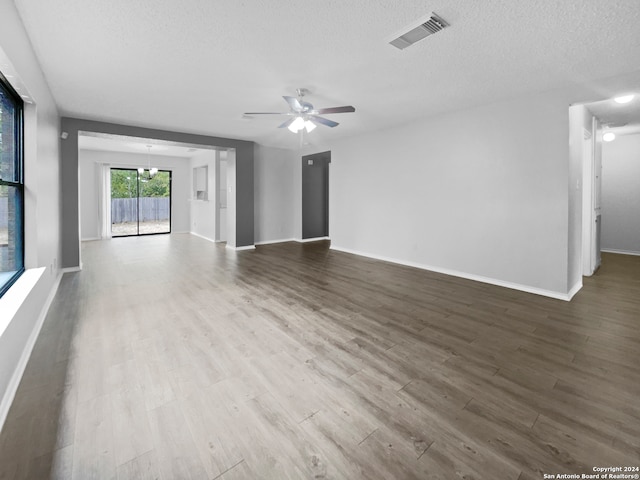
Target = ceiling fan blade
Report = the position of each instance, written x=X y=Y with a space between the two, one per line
x=294 y=103
x=323 y=121
x=345 y=109
x=287 y=123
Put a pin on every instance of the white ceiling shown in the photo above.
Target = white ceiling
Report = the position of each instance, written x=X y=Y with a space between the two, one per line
x=197 y=65
x=125 y=144
x=622 y=119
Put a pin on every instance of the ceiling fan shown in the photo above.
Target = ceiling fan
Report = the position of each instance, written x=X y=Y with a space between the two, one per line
x=304 y=116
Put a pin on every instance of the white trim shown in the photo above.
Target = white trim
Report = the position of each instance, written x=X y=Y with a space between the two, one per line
x=180 y=232
x=203 y=237
x=455 y=273
x=620 y=252
x=239 y=249
x=90 y=239
x=14 y=382
x=16 y=296
x=575 y=289
x=282 y=240
x=71 y=269
x=315 y=239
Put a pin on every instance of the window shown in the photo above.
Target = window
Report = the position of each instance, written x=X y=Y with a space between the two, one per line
x=11 y=187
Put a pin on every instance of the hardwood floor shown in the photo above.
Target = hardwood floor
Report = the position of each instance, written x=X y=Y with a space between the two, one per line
x=170 y=357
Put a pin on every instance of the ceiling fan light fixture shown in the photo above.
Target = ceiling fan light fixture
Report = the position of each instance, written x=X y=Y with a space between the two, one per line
x=309 y=125
x=303 y=116
x=296 y=125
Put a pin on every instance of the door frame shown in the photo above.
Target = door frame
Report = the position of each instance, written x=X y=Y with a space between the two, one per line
x=591 y=185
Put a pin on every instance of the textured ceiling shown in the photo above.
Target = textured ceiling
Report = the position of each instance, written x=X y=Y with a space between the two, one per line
x=622 y=119
x=197 y=65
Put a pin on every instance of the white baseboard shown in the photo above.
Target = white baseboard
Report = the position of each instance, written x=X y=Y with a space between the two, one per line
x=620 y=252
x=90 y=239
x=239 y=249
x=180 y=232
x=315 y=239
x=575 y=289
x=71 y=269
x=282 y=240
x=203 y=237
x=14 y=383
x=454 y=273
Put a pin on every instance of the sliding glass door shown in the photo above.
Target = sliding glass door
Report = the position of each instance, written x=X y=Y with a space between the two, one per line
x=140 y=204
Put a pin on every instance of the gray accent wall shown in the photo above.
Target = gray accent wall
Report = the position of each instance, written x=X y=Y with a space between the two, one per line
x=244 y=197
x=70 y=178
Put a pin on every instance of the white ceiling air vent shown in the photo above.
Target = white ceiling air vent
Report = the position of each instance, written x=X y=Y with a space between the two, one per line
x=424 y=27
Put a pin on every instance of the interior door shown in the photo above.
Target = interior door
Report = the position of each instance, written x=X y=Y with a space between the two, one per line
x=315 y=195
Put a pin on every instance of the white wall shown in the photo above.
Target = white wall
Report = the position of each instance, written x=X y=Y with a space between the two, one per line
x=89 y=201
x=203 y=212
x=621 y=194
x=23 y=307
x=481 y=193
x=274 y=194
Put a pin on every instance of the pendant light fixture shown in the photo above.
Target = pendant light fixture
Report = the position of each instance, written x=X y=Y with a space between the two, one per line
x=152 y=171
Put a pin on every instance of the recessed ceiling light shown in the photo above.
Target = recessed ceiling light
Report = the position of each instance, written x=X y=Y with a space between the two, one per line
x=624 y=98
x=609 y=137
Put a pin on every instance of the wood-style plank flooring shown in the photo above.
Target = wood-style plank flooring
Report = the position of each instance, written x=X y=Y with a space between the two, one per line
x=169 y=357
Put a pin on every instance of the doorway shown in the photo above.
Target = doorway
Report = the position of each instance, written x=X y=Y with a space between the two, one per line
x=315 y=195
x=140 y=202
